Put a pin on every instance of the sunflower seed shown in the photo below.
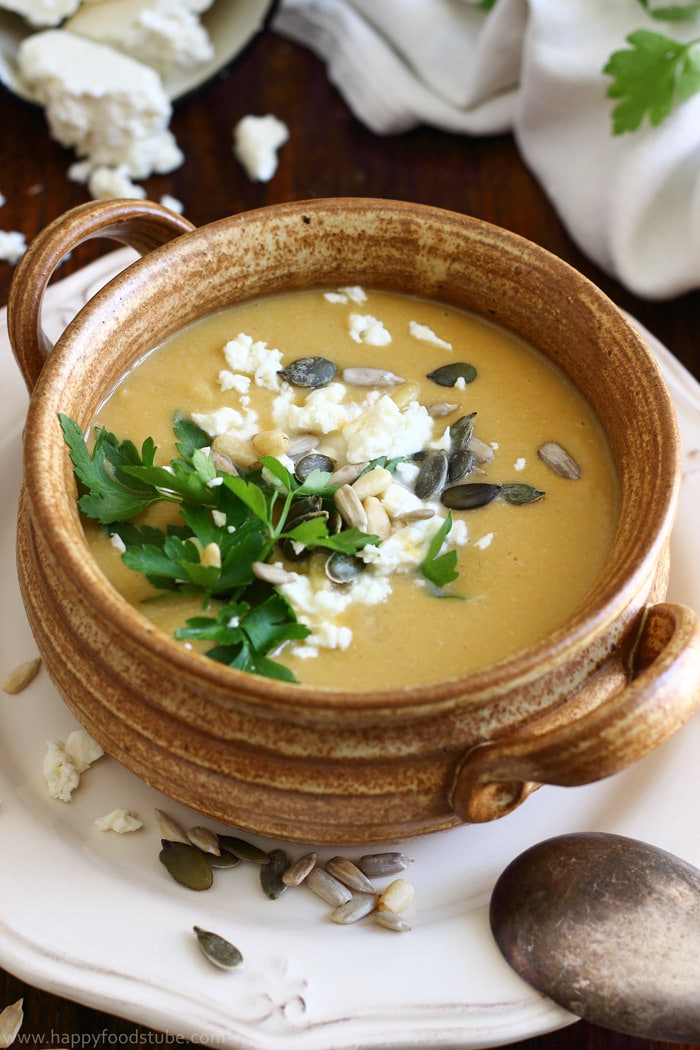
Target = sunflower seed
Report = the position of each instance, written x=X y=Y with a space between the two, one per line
x=559 y=460
x=310 y=372
x=396 y=896
x=217 y=950
x=299 y=869
x=243 y=849
x=448 y=375
x=482 y=451
x=270 y=573
x=440 y=408
x=432 y=476
x=205 y=840
x=349 y=874
x=20 y=677
x=359 y=905
x=169 y=828
x=376 y=865
x=328 y=888
x=347 y=474
x=469 y=496
x=516 y=493
x=348 y=504
x=186 y=864
x=379 y=377
x=300 y=445
x=271 y=874
x=11 y=1019
x=390 y=921
x=415 y=514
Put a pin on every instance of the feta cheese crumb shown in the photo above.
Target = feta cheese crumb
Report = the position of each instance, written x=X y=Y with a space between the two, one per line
x=484 y=542
x=520 y=463
x=12 y=246
x=2 y=199
x=119 y=820
x=367 y=329
x=255 y=144
x=117 y=542
x=64 y=764
x=386 y=430
x=427 y=335
x=252 y=357
x=352 y=294
x=42 y=12
x=109 y=183
x=83 y=749
x=173 y=203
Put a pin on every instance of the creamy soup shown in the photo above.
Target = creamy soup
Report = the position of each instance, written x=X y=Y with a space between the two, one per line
x=523 y=567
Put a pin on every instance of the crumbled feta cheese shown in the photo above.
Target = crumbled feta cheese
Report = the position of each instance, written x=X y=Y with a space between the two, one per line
x=117 y=542
x=255 y=144
x=119 y=820
x=59 y=771
x=319 y=604
x=227 y=420
x=484 y=542
x=323 y=411
x=42 y=12
x=367 y=329
x=233 y=381
x=352 y=293
x=172 y=203
x=2 y=200
x=386 y=430
x=520 y=463
x=164 y=34
x=255 y=358
x=13 y=245
x=427 y=335
x=111 y=109
x=110 y=183
x=82 y=749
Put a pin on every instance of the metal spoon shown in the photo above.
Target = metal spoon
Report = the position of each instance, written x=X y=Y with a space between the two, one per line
x=609 y=928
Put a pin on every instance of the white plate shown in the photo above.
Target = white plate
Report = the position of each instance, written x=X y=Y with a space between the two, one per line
x=231 y=24
x=94 y=917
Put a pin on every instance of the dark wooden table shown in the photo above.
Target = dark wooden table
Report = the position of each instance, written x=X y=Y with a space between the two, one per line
x=329 y=153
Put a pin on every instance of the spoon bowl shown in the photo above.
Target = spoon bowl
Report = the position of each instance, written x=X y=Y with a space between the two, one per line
x=609 y=928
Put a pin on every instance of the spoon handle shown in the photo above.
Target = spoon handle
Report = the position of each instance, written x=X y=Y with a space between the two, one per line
x=664 y=691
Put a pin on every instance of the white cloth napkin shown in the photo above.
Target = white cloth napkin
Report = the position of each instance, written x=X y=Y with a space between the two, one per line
x=631 y=202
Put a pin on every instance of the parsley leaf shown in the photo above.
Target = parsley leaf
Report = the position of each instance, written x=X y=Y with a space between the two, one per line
x=676 y=13
x=650 y=78
x=440 y=569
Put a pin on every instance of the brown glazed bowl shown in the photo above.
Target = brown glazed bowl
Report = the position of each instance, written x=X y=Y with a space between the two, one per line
x=333 y=766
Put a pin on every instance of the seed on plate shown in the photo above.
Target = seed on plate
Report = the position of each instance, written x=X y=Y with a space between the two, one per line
x=350 y=507
x=299 y=869
x=469 y=496
x=559 y=460
x=396 y=896
x=516 y=493
x=448 y=375
x=271 y=874
x=359 y=905
x=391 y=921
x=20 y=676
x=186 y=864
x=310 y=372
x=349 y=874
x=376 y=865
x=439 y=409
x=274 y=574
x=243 y=849
x=313 y=461
x=169 y=828
x=327 y=887
x=432 y=476
x=204 y=839
x=217 y=950
x=379 y=377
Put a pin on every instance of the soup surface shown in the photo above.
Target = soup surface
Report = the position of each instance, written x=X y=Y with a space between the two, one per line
x=523 y=567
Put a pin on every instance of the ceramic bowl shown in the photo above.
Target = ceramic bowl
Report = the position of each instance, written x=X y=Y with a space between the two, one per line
x=332 y=766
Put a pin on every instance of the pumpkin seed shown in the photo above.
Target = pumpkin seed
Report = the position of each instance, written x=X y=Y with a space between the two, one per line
x=559 y=460
x=313 y=461
x=516 y=493
x=432 y=476
x=271 y=874
x=391 y=921
x=217 y=950
x=461 y=464
x=243 y=850
x=470 y=496
x=299 y=869
x=169 y=828
x=377 y=865
x=186 y=864
x=447 y=375
x=349 y=874
x=327 y=887
x=378 y=377
x=310 y=372
x=396 y=896
x=343 y=568
x=20 y=677
x=223 y=860
x=462 y=432
x=205 y=840
x=359 y=905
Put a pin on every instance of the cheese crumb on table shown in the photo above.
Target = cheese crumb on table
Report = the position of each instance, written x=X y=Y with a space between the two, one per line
x=13 y=245
x=255 y=144
x=64 y=763
x=119 y=820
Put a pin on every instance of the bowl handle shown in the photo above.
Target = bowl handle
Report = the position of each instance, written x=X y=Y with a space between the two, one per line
x=663 y=692
x=143 y=225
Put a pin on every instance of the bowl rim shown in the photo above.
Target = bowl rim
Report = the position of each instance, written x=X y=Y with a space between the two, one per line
x=624 y=571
